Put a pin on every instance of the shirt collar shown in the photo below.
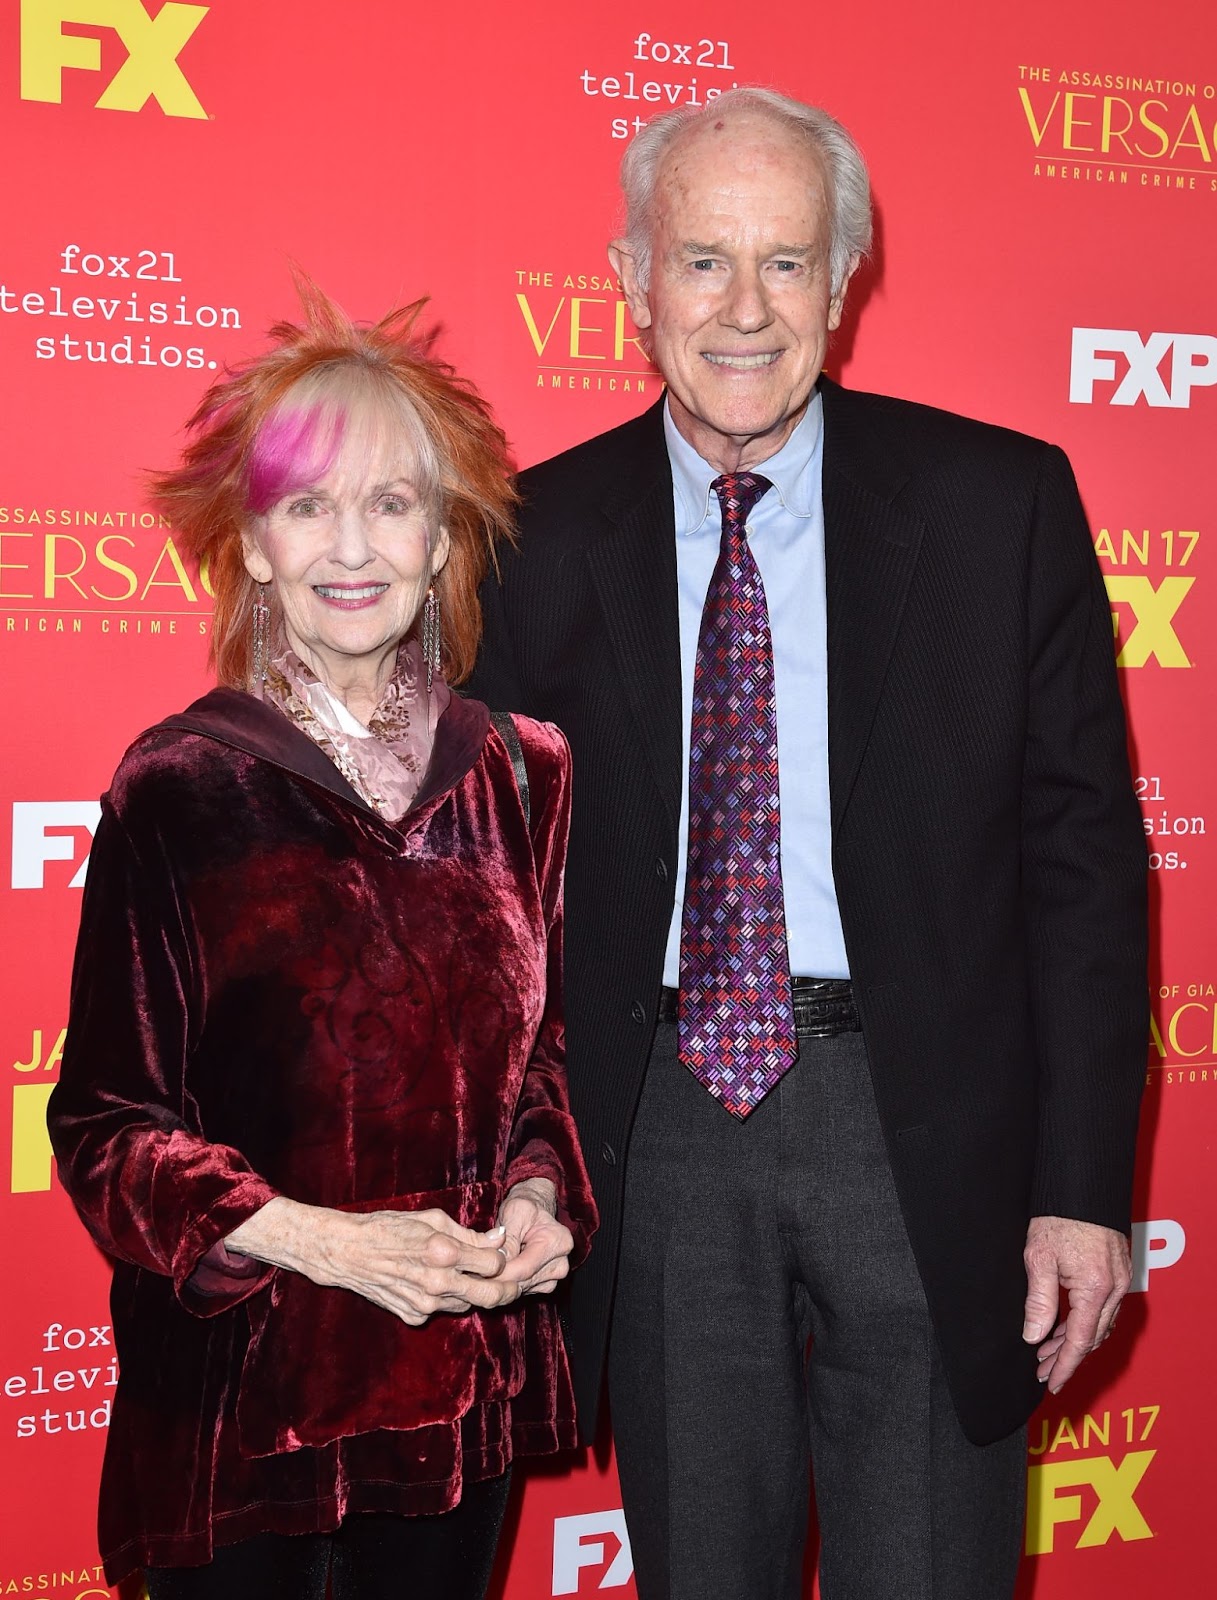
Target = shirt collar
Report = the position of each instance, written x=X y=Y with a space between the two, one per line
x=794 y=483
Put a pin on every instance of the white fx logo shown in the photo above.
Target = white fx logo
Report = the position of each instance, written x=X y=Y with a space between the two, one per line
x=571 y=1554
x=34 y=845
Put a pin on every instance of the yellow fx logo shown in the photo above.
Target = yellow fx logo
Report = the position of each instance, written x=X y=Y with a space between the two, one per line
x=30 y=1166
x=153 y=45
x=30 y=1163
x=1114 y=1485
x=1154 y=610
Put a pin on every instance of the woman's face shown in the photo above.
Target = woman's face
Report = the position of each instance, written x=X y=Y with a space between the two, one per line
x=349 y=559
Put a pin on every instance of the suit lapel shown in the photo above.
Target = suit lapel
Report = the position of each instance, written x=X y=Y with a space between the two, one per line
x=633 y=566
x=871 y=548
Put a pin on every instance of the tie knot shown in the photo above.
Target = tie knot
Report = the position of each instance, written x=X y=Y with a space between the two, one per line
x=737 y=493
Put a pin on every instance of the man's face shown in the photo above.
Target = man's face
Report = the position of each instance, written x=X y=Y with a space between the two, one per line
x=738 y=304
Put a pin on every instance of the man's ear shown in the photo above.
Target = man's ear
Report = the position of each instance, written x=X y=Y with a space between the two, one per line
x=836 y=306
x=621 y=257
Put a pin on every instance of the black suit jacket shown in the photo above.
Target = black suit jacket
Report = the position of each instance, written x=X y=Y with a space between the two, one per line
x=988 y=852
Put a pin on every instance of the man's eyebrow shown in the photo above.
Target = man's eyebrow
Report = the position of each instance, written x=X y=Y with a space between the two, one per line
x=694 y=249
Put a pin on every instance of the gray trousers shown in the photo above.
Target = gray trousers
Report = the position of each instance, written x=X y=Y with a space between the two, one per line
x=742 y=1242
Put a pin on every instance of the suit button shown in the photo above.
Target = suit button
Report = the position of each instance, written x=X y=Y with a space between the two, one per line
x=661 y=869
x=608 y=1155
x=638 y=1012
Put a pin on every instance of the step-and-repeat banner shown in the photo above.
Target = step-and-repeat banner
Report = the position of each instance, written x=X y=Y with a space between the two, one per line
x=1046 y=180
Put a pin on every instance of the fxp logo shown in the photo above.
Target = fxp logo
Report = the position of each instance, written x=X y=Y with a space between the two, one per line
x=1096 y=352
x=153 y=44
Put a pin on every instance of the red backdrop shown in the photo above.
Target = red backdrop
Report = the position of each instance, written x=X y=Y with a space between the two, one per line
x=1047 y=194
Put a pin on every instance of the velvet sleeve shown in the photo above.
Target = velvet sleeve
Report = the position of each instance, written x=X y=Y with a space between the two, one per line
x=1084 y=876
x=544 y=1143
x=151 y=1189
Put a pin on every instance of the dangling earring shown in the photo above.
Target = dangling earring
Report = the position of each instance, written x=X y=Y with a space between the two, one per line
x=432 y=635
x=261 y=636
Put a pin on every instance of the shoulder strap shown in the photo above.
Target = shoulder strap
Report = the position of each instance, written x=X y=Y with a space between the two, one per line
x=507 y=731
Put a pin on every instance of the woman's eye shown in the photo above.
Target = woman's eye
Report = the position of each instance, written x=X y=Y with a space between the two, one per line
x=306 y=506
x=395 y=505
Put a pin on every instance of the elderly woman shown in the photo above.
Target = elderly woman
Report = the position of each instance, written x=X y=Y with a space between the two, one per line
x=312 y=1100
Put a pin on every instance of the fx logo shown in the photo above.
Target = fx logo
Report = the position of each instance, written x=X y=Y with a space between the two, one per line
x=1193 y=366
x=1153 y=633
x=572 y=1554
x=153 y=45
x=1114 y=1486
x=1154 y=1245
x=34 y=844
x=30 y=1161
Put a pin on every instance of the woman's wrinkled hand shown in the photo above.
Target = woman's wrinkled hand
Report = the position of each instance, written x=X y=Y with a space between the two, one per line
x=537 y=1245
x=413 y=1264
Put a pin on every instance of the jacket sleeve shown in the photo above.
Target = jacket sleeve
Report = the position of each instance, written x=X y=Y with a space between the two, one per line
x=496 y=678
x=1084 y=876
x=150 y=1188
x=544 y=1142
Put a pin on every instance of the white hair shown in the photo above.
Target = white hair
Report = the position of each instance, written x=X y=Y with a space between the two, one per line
x=845 y=173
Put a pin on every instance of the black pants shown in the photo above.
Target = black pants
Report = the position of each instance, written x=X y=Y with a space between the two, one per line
x=444 y=1557
x=741 y=1241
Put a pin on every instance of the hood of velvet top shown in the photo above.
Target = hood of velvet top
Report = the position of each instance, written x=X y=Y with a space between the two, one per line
x=234 y=718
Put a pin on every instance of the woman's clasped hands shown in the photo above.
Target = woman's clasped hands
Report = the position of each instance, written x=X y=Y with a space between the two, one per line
x=417 y=1264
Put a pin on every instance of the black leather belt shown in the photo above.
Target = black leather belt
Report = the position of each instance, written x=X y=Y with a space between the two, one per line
x=822 y=1007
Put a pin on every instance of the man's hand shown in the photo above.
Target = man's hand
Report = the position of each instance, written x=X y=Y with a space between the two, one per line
x=537 y=1245
x=1093 y=1268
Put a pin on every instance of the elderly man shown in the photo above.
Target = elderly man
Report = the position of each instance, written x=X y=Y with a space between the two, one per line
x=856 y=929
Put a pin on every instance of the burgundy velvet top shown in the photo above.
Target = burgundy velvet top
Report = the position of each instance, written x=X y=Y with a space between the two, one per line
x=277 y=991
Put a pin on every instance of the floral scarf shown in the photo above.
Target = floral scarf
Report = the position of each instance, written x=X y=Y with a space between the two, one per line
x=383 y=762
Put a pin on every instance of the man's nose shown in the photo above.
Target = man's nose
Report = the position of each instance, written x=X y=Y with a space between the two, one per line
x=746 y=306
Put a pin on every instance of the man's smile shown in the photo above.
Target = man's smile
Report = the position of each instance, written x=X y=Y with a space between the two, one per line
x=742 y=363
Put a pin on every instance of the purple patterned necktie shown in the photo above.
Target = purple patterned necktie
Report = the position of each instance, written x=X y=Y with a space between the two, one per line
x=736 y=1020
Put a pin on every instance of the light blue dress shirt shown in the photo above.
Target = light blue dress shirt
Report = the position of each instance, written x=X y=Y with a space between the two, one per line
x=786 y=536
